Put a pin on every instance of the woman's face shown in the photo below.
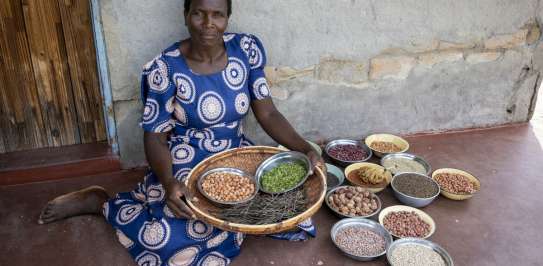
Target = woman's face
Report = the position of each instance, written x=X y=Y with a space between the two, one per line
x=206 y=21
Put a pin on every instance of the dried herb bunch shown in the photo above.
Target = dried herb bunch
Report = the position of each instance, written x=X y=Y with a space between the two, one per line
x=266 y=208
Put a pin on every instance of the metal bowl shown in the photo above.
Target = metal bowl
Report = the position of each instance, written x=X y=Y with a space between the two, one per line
x=422 y=242
x=408 y=156
x=280 y=158
x=414 y=201
x=347 y=142
x=371 y=225
x=231 y=171
x=332 y=169
x=329 y=193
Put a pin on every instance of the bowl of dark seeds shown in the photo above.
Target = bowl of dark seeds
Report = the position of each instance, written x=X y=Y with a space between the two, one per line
x=414 y=189
x=416 y=251
x=361 y=239
x=334 y=177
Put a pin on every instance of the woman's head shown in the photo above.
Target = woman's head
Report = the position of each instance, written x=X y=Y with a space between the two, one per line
x=207 y=20
x=228 y=4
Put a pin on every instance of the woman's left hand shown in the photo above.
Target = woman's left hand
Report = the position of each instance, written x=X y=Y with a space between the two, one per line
x=316 y=160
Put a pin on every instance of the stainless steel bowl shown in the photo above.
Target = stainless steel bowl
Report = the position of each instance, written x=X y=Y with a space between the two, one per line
x=369 y=224
x=329 y=193
x=231 y=171
x=332 y=169
x=422 y=242
x=333 y=143
x=410 y=200
x=280 y=158
x=408 y=156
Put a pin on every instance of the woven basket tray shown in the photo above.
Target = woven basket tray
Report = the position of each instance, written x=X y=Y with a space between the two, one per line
x=248 y=159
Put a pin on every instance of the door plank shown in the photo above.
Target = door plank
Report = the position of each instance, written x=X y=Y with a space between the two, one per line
x=78 y=35
x=21 y=120
x=48 y=53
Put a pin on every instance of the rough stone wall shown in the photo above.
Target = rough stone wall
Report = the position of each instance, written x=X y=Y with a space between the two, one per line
x=348 y=68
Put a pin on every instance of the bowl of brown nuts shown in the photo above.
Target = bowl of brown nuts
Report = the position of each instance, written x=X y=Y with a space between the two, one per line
x=368 y=175
x=350 y=202
x=404 y=221
x=456 y=184
x=227 y=186
x=383 y=144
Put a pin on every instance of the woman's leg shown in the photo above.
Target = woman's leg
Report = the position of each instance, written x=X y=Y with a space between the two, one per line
x=86 y=201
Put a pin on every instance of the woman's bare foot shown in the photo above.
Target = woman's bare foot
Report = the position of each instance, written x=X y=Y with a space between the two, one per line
x=86 y=201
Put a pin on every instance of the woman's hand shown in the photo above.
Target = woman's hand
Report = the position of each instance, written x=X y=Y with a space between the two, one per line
x=316 y=160
x=175 y=190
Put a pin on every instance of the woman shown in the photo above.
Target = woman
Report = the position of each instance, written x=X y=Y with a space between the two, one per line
x=196 y=94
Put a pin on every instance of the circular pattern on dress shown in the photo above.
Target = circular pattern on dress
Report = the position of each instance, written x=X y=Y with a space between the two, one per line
x=228 y=37
x=138 y=196
x=235 y=73
x=158 y=78
x=128 y=213
x=214 y=259
x=242 y=103
x=124 y=240
x=261 y=89
x=170 y=105
x=168 y=212
x=150 y=111
x=105 y=210
x=181 y=174
x=211 y=108
x=183 y=153
x=174 y=53
x=180 y=114
x=155 y=193
x=217 y=240
x=215 y=145
x=198 y=230
x=164 y=127
x=239 y=238
x=255 y=56
x=204 y=133
x=245 y=44
x=185 y=88
x=184 y=257
x=154 y=235
x=148 y=258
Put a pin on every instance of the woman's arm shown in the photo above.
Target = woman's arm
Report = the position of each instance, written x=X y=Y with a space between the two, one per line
x=280 y=130
x=159 y=158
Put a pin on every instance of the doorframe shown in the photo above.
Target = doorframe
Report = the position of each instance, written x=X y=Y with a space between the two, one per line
x=103 y=76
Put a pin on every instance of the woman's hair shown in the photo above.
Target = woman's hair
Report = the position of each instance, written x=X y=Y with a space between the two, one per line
x=228 y=2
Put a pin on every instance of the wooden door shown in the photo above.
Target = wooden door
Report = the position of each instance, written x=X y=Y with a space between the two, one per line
x=49 y=89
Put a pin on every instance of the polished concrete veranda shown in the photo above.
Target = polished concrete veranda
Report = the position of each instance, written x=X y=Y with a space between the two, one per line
x=501 y=225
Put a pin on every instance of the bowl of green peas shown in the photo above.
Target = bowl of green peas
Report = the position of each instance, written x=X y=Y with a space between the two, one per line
x=283 y=172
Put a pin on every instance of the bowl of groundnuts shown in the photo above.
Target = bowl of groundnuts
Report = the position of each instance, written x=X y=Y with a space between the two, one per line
x=227 y=186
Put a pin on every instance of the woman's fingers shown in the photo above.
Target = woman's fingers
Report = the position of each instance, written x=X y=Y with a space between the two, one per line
x=177 y=211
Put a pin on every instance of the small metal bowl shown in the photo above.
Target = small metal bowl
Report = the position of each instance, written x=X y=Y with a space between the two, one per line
x=422 y=242
x=329 y=193
x=414 y=201
x=332 y=169
x=280 y=158
x=369 y=224
x=408 y=156
x=231 y=171
x=347 y=142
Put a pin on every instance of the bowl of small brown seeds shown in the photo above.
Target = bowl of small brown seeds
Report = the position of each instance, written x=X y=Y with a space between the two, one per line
x=383 y=144
x=361 y=239
x=227 y=186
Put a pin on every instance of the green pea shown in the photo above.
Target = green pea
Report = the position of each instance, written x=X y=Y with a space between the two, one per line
x=283 y=177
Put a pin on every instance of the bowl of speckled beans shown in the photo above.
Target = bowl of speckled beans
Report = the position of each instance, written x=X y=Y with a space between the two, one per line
x=361 y=239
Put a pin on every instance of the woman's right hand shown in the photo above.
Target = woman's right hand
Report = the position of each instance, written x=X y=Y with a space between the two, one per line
x=175 y=190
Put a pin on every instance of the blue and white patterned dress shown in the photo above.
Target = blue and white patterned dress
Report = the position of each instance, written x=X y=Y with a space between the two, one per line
x=203 y=114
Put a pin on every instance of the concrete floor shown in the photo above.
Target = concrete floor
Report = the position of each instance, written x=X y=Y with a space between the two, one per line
x=499 y=226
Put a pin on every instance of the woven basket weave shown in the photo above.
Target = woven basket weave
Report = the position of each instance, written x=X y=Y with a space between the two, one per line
x=248 y=159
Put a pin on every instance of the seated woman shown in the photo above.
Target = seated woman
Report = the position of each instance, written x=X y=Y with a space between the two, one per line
x=196 y=94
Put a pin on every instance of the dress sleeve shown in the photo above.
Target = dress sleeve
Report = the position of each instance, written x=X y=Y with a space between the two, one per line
x=158 y=96
x=258 y=85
